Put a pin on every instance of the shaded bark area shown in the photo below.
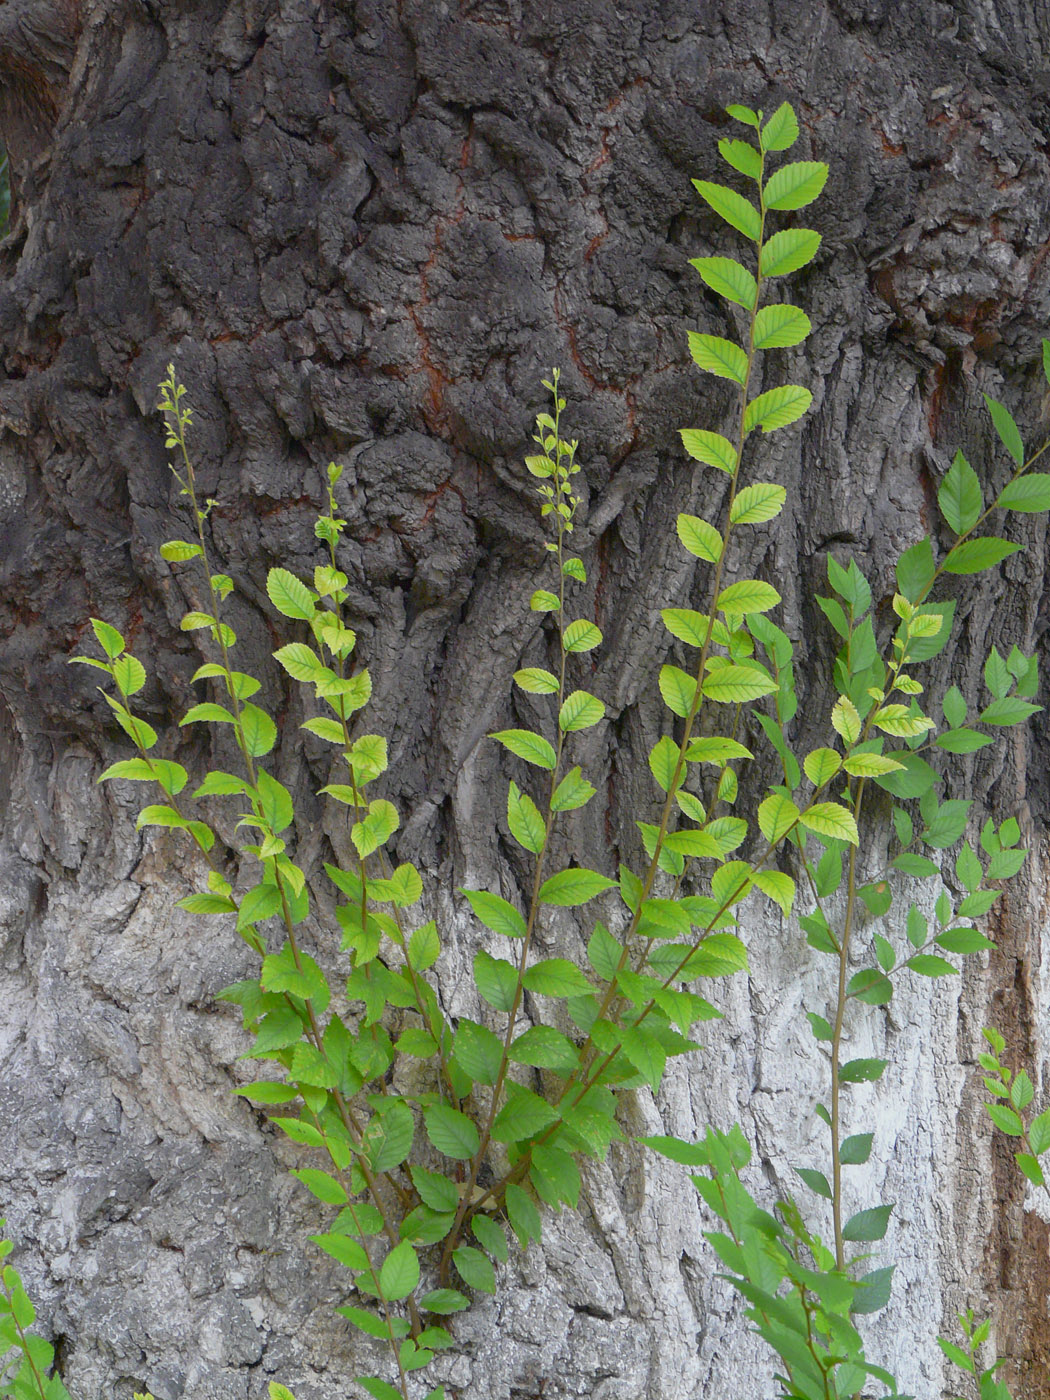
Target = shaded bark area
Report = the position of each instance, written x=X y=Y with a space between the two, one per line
x=363 y=231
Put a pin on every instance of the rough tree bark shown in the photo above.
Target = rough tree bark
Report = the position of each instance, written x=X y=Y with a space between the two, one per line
x=361 y=231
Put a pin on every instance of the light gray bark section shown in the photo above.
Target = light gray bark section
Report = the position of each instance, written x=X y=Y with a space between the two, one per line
x=363 y=232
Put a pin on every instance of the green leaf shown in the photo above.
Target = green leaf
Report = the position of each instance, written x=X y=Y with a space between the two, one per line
x=523 y=1215
x=1006 y=428
x=735 y=685
x=207 y=904
x=573 y=791
x=856 y=1150
x=533 y=748
x=959 y=496
x=964 y=940
x=687 y=1154
x=1030 y=1167
x=929 y=965
x=915 y=570
x=718 y=356
x=962 y=741
x=729 y=279
x=867 y=1225
x=872 y=1291
x=289 y=595
x=435 y=1191
x=796 y=185
x=207 y=713
x=734 y=208
x=581 y=635
x=328 y=729
x=543 y=600
x=557 y=977
x=555 y=1176
x=1008 y=711
x=678 y=689
x=378 y=1388
x=109 y=639
x=711 y=448
x=776 y=408
x=831 y=819
x=604 y=952
x=956 y=1355
x=177 y=551
x=474 y=1269
x=1030 y=492
x=779 y=887
x=742 y=156
x=268 y=1091
x=1021 y=1090
x=526 y=825
x=776 y=816
x=869 y=985
x=788 y=250
x=129 y=674
x=581 y=710
x=478 y=1051
x=443 y=1301
x=1039 y=1132
x=523 y=1116
x=750 y=595
x=780 y=325
x=451 y=1132
x=816 y=1181
x=490 y=1236
x=400 y=1272
x=701 y=540
x=496 y=979
x=536 y=680
x=1005 y=1119
x=321 y=1185
x=974 y=556
x=301 y=662
x=366 y=1322
x=757 y=503
x=862 y=1071
x=258 y=730
x=545 y=1048
x=780 y=131
x=871 y=765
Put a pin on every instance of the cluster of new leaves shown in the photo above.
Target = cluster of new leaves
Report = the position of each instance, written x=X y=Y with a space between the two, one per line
x=25 y=1358
x=800 y=1300
x=1011 y=1110
x=967 y=1359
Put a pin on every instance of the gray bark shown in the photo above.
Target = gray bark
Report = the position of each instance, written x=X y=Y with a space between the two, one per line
x=362 y=232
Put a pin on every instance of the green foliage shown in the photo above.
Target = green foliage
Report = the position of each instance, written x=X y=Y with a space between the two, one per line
x=422 y=1172
x=25 y=1358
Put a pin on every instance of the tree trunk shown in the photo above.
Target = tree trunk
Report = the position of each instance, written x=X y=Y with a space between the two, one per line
x=363 y=231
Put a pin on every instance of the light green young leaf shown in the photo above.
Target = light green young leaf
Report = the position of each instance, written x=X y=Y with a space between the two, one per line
x=831 y=819
x=742 y=156
x=733 y=207
x=536 y=680
x=748 y=596
x=718 y=356
x=779 y=887
x=781 y=130
x=574 y=886
x=776 y=816
x=729 y=279
x=757 y=503
x=788 y=250
x=677 y=689
x=573 y=791
x=523 y=817
x=710 y=448
x=289 y=595
x=735 y=685
x=776 y=408
x=780 y=325
x=795 y=185
x=581 y=635
x=702 y=540
x=533 y=748
x=580 y=710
